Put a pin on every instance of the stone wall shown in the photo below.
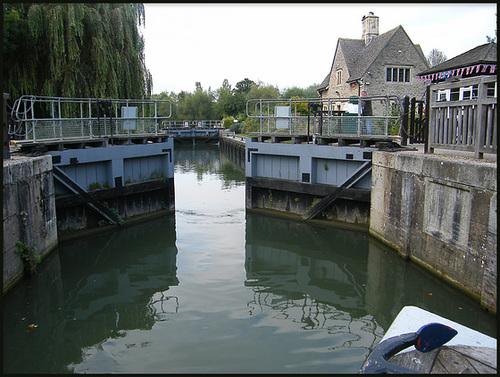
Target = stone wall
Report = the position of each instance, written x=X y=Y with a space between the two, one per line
x=29 y=212
x=440 y=212
x=400 y=52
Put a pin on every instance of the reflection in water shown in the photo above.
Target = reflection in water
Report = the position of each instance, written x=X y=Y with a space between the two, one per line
x=209 y=160
x=393 y=283
x=313 y=276
x=293 y=263
x=91 y=289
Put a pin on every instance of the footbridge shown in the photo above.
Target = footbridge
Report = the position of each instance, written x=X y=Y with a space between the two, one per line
x=41 y=119
x=362 y=121
x=40 y=124
x=282 y=158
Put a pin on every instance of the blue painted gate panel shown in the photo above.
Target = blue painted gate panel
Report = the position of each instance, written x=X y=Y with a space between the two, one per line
x=278 y=167
x=334 y=172
x=89 y=174
x=143 y=168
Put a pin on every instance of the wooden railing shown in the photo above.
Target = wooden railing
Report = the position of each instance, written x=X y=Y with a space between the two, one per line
x=463 y=116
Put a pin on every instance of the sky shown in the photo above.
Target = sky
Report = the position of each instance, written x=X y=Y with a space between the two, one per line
x=289 y=45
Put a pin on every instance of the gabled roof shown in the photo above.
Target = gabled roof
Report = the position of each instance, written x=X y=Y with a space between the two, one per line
x=359 y=57
x=484 y=54
x=324 y=84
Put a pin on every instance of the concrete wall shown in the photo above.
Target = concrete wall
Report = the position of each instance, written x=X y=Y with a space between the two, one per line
x=235 y=149
x=440 y=212
x=29 y=212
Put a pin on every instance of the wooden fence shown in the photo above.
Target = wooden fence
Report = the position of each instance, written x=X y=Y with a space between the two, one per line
x=413 y=125
x=462 y=115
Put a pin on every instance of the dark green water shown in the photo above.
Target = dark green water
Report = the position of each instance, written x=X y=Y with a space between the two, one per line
x=215 y=289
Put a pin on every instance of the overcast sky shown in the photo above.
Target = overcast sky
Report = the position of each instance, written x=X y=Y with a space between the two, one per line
x=289 y=45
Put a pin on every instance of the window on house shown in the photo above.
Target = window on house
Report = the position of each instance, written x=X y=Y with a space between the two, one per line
x=491 y=90
x=454 y=94
x=398 y=74
x=468 y=92
x=339 y=77
x=444 y=95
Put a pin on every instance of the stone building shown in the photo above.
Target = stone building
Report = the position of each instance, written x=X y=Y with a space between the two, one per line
x=385 y=64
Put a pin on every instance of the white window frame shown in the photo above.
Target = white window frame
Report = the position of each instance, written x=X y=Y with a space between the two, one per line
x=443 y=95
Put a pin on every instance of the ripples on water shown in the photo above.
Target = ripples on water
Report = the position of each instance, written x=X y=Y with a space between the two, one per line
x=216 y=289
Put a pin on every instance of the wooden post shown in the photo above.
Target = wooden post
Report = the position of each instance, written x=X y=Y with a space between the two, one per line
x=427 y=117
x=421 y=123
x=6 y=150
x=412 y=116
x=404 y=123
x=480 y=120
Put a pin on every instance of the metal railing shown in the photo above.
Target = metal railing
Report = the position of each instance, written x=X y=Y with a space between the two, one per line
x=327 y=116
x=191 y=124
x=463 y=115
x=38 y=118
x=192 y=132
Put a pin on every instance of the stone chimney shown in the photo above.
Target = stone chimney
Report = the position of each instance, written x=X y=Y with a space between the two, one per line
x=370 y=27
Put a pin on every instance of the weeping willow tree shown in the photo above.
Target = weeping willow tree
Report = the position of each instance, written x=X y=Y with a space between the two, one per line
x=74 y=50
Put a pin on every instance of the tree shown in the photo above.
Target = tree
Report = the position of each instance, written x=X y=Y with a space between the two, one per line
x=75 y=50
x=196 y=106
x=436 y=57
x=492 y=39
x=163 y=107
x=229 y=101
x=261 y=90
x=309 y=92
x=244 y=86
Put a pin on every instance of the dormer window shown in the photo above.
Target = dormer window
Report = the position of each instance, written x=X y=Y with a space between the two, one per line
x=339 y=77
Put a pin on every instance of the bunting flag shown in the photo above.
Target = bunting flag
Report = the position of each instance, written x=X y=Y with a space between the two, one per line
x=479 y=68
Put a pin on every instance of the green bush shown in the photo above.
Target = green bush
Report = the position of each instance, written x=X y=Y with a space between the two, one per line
x=237 y=128
x=227 y=122
x=27 y=252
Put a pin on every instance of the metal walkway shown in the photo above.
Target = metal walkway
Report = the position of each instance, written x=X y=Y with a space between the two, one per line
x=354 y=120
x=38 y=118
